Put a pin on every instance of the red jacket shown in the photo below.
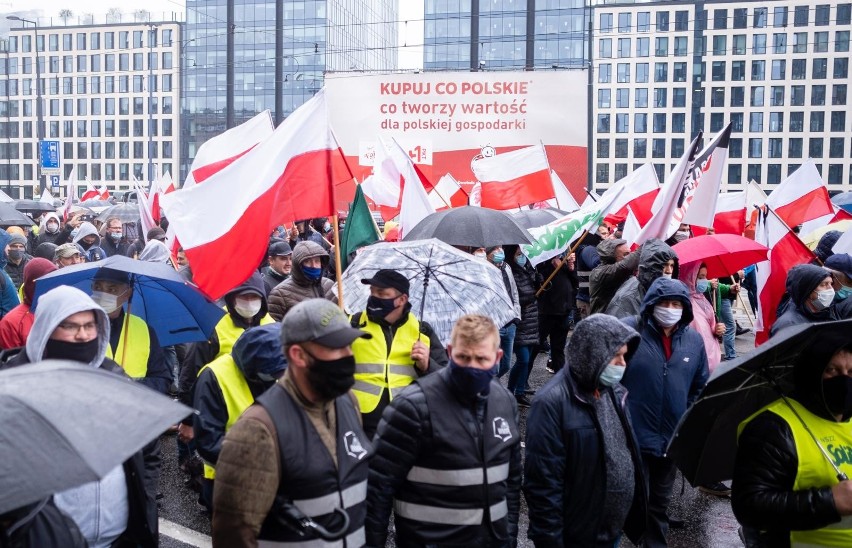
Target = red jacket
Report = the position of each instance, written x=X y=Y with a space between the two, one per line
x=15 y=327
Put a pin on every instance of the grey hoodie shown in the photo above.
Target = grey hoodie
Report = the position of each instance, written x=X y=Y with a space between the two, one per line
x=86 y=229
x=52 y=309
x=627 y=301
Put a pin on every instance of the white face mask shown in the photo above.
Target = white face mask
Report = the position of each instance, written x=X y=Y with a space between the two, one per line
x=681 y=235
x=107 y=301
x=612 y=374
x=479 y=254
x=247 y=309
x=52 y=228
x=667 y=317
x=824 y=299
x=664 y=275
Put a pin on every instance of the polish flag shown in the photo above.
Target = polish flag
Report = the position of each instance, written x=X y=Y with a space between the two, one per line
x=385 y=186
x=222 y=150
x=163 y=184
x=70 y=191
x=514 y=179
x=730 y=216
x=289 y=176
x=414 y=204
x=447 y=194
x=699 y=207
x=640 y=190
x=801 y=197
x=786 y=250
x=670 y=198
x=564 y=200
x=103 y=192
x=91 y=192
x=143 y=202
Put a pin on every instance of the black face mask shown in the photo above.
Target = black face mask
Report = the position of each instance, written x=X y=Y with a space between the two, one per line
x=469 y=381
x=380 y=308
x=331 y=378
x=837 y=394
x=79 y=352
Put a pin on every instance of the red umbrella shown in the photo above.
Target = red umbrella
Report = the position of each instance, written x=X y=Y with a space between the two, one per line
x=723 y=254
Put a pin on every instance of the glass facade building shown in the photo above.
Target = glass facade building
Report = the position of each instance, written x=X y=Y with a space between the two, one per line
x=316 y=36
x=505 y=34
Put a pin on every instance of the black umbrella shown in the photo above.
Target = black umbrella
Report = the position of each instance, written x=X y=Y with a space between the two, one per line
x=9 y=216
x=127 y=213
x=532 y=218
x=705 y=443
x=33 y=206
x=471 y=226
x=63 y=424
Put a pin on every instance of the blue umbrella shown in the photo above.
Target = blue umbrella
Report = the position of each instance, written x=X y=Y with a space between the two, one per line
x=843 y=201
x=176 y=311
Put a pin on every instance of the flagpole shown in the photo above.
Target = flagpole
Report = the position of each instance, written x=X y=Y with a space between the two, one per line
x=337 y=265
x=562 y=262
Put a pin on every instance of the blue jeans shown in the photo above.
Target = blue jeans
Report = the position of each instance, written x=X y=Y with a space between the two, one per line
x=520 y=369
x=730 y=330
x=507 y=340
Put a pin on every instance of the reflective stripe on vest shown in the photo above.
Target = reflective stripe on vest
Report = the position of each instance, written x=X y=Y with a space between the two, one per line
x=449 y=516
x=235 y=392
x=377 y=369
x=228 y=332
x=354 y=539
x=458 y=478
x=134 y=360
x=813 y=470
x=327 y=503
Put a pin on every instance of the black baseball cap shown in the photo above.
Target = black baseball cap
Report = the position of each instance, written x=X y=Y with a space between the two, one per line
x=388 y=278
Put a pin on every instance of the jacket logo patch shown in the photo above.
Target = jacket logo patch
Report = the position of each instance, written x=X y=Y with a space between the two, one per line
x=502 y=429
x=353 y=446
x=686 y=359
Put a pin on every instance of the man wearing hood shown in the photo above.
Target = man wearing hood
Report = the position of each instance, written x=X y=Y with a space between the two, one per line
x=17 y=258
x=448 y=452
x=823 y=250
x=401 y=349
x=87 y=237
x=280 y=259
x=246 y=308
x=656 y=259
x=16 y=325
x=50 y=229
x=664 y=376
x=306 y=280
x=583 y=474
x=121 y=508
x=785 y=490
x=616 y=265
x=227 y=386
x=811 y=297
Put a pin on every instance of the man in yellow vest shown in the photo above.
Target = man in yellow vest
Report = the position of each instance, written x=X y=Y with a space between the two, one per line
x=401 y=350
x=786 y=490
x=227 y=386
x=132 y=342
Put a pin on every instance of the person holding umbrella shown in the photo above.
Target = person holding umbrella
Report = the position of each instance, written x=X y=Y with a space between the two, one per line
x=791 y=485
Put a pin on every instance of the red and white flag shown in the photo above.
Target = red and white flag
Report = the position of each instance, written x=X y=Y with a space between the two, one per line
x=70 y=191
x=103 y=192
x=223 y=149
x=447 y=193
x=514 y=179
x=786 y=250
x=730 y=217
x=46 y=197
x=414 y=204
x=801 y=197
x=640 y=190
x=163 y=184
x=91 y=192
x=699 y=207
x=564 y=200
x=289 y=176
x=670 y=198
x=144 y=204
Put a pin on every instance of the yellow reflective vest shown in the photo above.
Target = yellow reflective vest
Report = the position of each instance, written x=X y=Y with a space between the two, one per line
x=235 y=391
x=377 y=370
x=228 y=332
x=813 y=470
x=134 y=347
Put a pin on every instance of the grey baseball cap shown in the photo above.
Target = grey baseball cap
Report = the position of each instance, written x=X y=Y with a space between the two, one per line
x=320 y=321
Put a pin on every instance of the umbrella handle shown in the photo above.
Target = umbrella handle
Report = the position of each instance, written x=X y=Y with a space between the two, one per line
x=423 y=299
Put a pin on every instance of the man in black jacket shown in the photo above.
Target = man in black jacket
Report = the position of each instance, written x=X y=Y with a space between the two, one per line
x=785 y=490
x=448 y=458
x=554 y=306
x=583 y=476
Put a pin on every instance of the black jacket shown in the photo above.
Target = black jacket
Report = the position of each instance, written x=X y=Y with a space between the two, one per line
x=528 y=281
x=557 y=299
x=565 y=474
x=39 y=524
x=111 y=248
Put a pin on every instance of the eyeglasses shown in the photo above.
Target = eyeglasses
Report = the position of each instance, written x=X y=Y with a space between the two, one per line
x=75 y=328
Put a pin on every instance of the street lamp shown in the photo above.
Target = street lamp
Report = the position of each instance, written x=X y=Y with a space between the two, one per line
x=39 y=108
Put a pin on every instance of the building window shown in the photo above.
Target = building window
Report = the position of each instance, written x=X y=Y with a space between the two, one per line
x=844 y=14
x=640 y=122
x=642 y=73
x=720 y=44
x=603 y=123
x=602 y=174
x=738 y=69
x=623 y=73
x=755 y=148
x=604 y=98
x=817 y=95
x=773 y=174
x=662 y=47
x=821 y=15
x=659 y=123
x=820 y=42
x=776 y=122
x=624 y=47
x=717 y=121
x=838 y=94
x=800 y=42
x=740 y=18
x=605 y=73
x=797 y=121
x=624 y=22
x=841 y=41
x=795 y=148
x=679 y=124
x=841 y=67
x=720 y=19
x=643 y=47
x=800 y=69
x=606 y=22
x=622 y=98
x=603 y=148
x=754 y=172
x=757 y=96
x=718 y=71
x=717 y=97
x=758 y=44
x=663 y=21
x=776 y=98
x=643 y=21
x=679 y=97
x=681 y=46
x=661 y=72
x=658 y=148
x=800 y=16
x=737 y=96
x=735 y=174
x=755 y=123
x=779 y=69
x=660 y=98
x=621 y=148
x=605 y=48
x=681 y=21
x=779 y=42
x=679 y=72
x=739 y=44
x=817 y=121
x=779 y=17
x=760 y=16
x=758 y=70
x=838 y=120
x=640 y=148
x=835 y=174
x=835 y=147
x=815 y=147
x=776 y=147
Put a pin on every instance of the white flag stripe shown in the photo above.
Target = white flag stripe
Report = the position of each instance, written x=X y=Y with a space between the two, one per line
x=509 y=166
x=564 y=200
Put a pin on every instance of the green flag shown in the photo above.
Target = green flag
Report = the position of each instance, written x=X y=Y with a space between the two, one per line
x=360 y=228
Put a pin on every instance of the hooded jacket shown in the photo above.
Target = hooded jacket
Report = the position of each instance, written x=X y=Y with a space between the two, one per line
x=662 y=389
x=575 y=422
x=763 y=495
x=298 y=287
x=94 y=251
x=91 y=503
x=155 y=252
x=704 y=318
x=608 y=276
x=61 y=236
x=652 y=258
x=527 y=281
x=801 y=282
x=826 y=242
x=16 y=325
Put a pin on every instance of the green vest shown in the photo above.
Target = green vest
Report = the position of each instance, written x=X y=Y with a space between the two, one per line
x=814 y=471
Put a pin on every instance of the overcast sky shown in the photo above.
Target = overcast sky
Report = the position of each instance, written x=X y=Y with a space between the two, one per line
x=410 y=34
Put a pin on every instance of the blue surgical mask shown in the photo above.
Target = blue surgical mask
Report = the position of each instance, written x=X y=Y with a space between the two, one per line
x=702 y=285
x=312 y=274
x=521 y=260
x=842 y=293
x=74 y=232
x=611 y=374
x=470 y=381
x=498 y=257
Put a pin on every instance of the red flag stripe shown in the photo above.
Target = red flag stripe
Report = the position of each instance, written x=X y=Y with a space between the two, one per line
x=204 y=172
x=525 y=190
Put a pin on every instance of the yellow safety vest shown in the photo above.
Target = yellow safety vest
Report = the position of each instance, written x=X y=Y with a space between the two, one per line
x=134 y=360
x=814 y=470
x=376 y=369
x=228 y=332
x=235 y=391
